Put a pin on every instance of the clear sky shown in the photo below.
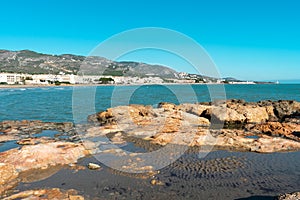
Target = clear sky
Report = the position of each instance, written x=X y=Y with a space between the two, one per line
x=250 y=39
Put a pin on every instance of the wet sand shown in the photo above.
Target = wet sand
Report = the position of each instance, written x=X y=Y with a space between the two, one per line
x=220 y=175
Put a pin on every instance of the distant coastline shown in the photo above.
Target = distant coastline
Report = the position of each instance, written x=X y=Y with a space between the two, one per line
x=96 y=85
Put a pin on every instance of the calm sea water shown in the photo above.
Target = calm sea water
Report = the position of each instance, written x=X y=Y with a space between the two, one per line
x=59 y=103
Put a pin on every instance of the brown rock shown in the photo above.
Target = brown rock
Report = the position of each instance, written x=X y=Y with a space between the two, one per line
x=40 y=156
x=141 y=115
x=156 y=182
x=45 y=194
x=270 y=111
x=136 y=114
x=167 y=106
x=235 y=112
x=172 y=123
x=196 y=109
x=187 y=124
x=291 y=196
x=276 y=128
x=8 y=175
x=76 y=197
x=163 y=138
x=284 y=109
x=6 y=137
x=105 y=117
x=43 y=155
x=252 y=113
x=33 y=141
x=227 y=115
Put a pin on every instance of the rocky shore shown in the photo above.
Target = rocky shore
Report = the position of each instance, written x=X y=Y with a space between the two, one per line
x=262 y=127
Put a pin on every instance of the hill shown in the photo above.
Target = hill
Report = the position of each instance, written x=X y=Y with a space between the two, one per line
x=31 y=62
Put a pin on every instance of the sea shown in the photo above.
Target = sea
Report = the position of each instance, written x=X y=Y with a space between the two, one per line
x=76 y=103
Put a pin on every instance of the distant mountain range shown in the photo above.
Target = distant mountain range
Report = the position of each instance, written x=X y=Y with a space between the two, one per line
x=31 y=62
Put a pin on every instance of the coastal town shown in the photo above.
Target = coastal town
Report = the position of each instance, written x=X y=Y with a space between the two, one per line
x=62 y=78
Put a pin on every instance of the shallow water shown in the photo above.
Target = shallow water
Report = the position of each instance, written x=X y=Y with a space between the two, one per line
x=5 y=146
x=252 y=137
x=220 y=175
x=46 y=133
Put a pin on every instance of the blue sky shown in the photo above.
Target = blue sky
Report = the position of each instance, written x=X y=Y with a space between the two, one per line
x=253 y=40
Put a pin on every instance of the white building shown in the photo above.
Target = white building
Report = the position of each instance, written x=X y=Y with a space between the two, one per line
x=39 y=79
x=70 y=78
x=50 y=78
x=10 y=78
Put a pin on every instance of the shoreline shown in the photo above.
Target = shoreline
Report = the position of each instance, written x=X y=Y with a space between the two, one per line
x=96 y=85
